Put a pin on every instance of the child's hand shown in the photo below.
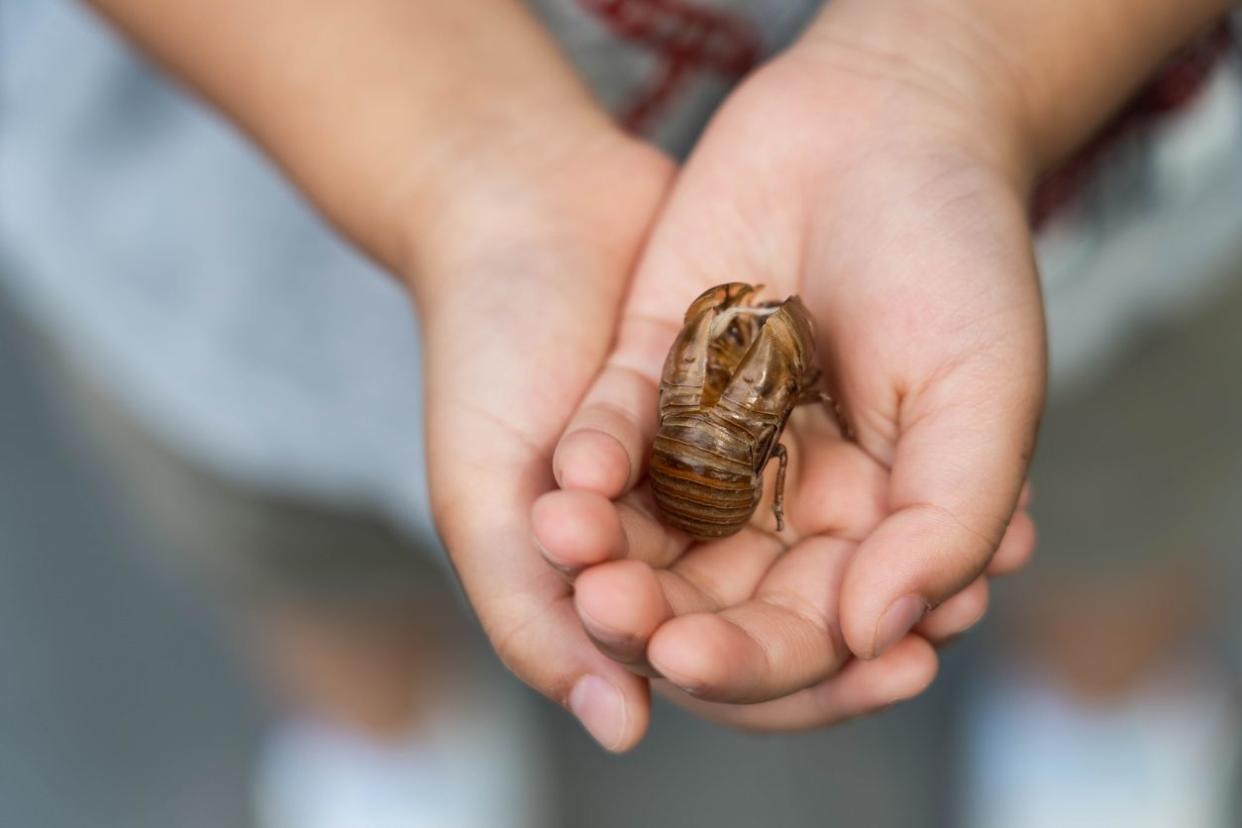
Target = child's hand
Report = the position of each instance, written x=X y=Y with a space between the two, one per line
x=894 y=205
x=522 y=267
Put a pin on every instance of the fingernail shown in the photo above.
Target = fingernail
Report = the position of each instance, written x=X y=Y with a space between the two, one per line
x=898 y=619
x=599 y=706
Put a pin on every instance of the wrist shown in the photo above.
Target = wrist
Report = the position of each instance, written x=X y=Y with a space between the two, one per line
x=540 y=188
x=912 y=76
x=477 y=167
x=1021 y=84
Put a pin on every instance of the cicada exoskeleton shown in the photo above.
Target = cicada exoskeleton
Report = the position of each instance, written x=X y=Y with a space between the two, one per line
x=733 y=376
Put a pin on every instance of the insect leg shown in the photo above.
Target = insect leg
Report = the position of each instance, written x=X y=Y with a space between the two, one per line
x=778 y=500
x=814 y=394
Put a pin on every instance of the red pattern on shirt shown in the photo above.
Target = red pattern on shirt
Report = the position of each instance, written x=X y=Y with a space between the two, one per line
x=687 y=38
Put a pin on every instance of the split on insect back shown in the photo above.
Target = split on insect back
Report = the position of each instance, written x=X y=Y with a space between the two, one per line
x=735 y=372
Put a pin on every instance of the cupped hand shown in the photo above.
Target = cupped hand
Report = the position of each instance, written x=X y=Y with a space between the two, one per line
x=521 y=266
x=899 y=219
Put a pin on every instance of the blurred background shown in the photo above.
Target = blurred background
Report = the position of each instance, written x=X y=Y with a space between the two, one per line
x=181 y=643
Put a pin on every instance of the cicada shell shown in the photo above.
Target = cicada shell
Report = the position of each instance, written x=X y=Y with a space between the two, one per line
x=733 y=376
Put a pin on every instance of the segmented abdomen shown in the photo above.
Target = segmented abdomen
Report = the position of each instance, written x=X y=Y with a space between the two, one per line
x=702 y=476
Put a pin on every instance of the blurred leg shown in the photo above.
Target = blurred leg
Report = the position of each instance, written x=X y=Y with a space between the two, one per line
x=392 y=714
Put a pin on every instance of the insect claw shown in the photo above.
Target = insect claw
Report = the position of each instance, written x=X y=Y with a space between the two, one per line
x=778 y=499
x=847 y=431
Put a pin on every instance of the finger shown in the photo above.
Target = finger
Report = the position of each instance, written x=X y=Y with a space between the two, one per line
x=958 y=614
x=605 y=446
x=1016 y=547
x=547 y=648
x=527 y=611
x=958 y=467
x=781 y=641
x=861 y=687
x=622 y=603
x=577 y=529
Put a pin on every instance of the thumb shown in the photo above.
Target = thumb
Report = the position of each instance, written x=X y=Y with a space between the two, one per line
x=958 y=468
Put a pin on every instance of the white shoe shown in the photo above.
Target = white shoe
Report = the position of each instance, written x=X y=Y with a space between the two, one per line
x=479 y=766
x=1165 y=757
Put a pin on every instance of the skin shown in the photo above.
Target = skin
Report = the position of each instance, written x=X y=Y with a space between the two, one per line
x=879 y=168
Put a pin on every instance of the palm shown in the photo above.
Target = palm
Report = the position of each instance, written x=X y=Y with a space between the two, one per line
x=917 y=272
